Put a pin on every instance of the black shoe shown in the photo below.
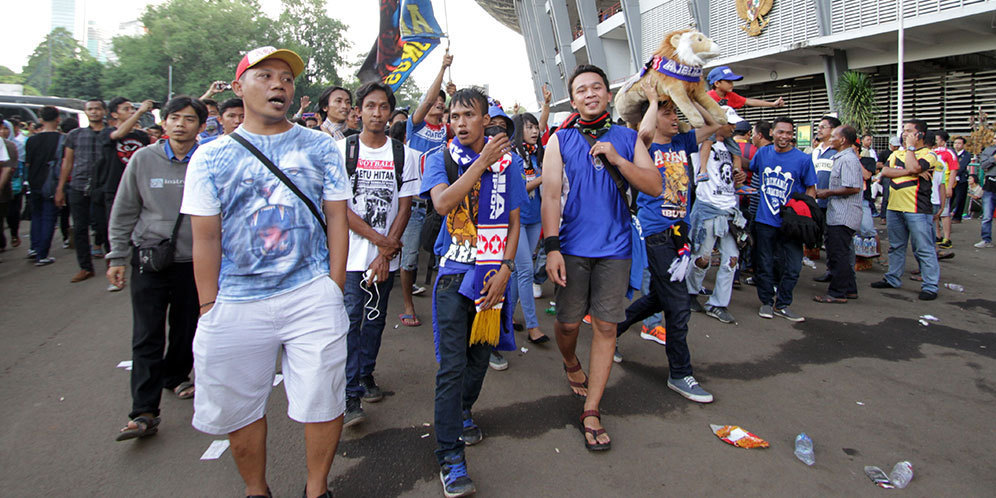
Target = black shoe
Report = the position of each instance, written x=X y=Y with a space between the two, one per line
x=944 y=255
x=472 y=434
x=372 y=392
x=354 y=412
x=927 y=296
x=882 y=284
x=826 y=277
x=695 y=306
x=327 y=494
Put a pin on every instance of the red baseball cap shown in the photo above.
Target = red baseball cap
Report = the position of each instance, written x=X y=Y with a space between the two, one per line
x=261 y=54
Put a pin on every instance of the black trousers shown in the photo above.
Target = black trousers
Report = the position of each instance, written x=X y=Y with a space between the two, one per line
x=155 y=297
x=840 y=254
x=958 y=201
x=79 y=206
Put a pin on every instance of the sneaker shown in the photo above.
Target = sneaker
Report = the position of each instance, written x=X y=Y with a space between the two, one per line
x=695 y=306
x=65 y=243
x=537 y=291
x=81 y=276
x=97 y=252
x=587 y=319
x=720 y=313
x=32 y=254
x=927 y=296
x=945 y=244
x=497 y=361
x=689 y=388
x=472 y=434
x=983 y=244
x=705 y=292
x=765 y=311
x=45 y=261
x=372 y=392
x=617 y=356
x=750 y=281
x=657 y=334
x=787 y=314
x=354 y=412
x=417 y=290
x=113 y=288
x=453 y=475
x=882 y=284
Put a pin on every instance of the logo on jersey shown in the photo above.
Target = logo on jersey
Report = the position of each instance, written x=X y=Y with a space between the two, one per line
x=776 y=185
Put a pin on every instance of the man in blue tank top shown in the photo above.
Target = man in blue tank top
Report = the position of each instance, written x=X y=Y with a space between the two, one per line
x=588 y=166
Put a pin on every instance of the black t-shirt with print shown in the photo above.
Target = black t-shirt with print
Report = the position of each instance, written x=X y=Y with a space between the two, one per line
x=117 y=153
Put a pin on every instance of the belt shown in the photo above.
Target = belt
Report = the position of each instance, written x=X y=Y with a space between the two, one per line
x=418 y=201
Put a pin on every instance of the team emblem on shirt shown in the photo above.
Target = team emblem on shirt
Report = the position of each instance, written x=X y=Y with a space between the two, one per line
x=776 y=186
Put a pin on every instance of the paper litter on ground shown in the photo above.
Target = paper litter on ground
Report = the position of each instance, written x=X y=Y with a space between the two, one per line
x=931 y=318
x=733 y=434
x=125 y=364
x=218 y=446
x=277 y=379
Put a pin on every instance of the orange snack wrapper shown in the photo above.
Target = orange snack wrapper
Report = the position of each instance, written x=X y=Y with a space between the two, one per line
x=733 y=434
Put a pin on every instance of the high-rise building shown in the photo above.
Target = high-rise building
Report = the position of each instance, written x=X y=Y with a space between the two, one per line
x=64 y=15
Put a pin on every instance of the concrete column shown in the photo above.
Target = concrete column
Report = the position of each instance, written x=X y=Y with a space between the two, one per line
x=634 y=32
x=536 y=67
x=540 y=22
x=700 y=12
x=833 y=66
x=562 y=26
x=588 y=12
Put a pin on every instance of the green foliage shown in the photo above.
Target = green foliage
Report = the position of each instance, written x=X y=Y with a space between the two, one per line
x=6 y=71
x=304 y=27
x=58 y=47
x=79 y=79
x=855 y=99
x=17 y=79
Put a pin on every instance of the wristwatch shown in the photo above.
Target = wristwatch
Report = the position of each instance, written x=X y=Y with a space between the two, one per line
x=509 y=263
x=911 y=148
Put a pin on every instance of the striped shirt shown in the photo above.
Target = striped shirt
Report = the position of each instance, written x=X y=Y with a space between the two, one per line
x=845 y=210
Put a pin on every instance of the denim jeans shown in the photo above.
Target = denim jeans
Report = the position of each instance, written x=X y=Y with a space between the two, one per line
x=655 y=319
x=840 y=260
x=43 y=215
x=728 y=250
x=461 y=366
x=988 y=199
x=363 y=339
x=539 y=266
x=867 y=220
x=779 y=261
x=411 y=237
x=667 y=296
x=79 y=207
x=918 y=230
x=521 y=289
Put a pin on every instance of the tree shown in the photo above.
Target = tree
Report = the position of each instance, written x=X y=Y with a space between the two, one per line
x=855 y=99
x=79 y=79
x=305 y=27
x=6 y=71
x=58 y=47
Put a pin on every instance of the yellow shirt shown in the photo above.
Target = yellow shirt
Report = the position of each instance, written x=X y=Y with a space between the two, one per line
x=911 y=194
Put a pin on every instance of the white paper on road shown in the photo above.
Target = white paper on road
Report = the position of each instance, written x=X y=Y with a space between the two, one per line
x=277 y=379
x=218 y=446
x=126 y=364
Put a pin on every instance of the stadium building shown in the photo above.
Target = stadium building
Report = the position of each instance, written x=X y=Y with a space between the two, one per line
x=802 y=48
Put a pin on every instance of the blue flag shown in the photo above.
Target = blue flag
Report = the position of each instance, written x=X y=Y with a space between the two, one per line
x=408 y=32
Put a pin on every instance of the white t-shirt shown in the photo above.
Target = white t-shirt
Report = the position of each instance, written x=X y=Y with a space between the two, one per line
x=375 y=198
x=718 y=190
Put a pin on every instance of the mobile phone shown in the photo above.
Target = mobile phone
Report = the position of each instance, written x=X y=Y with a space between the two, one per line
x=157 y=105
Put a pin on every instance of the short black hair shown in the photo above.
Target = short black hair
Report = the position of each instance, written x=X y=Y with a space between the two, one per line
x=210 y=102
x=48 y=113
x=323 y=99
x=919 y=124
x=179 y=102
x=586 y=68
x=520 y=120
x=943 y=135
x=397 y=112
x=782 y=119
x=116 y=102
x=929 y=138
x=834 y=122
x=850 y=134
x=155 y=127
x=299 y=121
x=398 y=131
x=867 y=135
x=311 y=118
x=471 y=97
x=963 y=139
x=764 y=128
x=95 y=99
x=69 y=125
x=230 y=103
x=373 y=86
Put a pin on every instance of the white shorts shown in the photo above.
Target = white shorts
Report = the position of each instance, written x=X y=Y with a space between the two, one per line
x=235 y=355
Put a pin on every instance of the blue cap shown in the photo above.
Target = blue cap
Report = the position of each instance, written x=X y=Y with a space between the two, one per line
x=495 y=111
x=723 y=73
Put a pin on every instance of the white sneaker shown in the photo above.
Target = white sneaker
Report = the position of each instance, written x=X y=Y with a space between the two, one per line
x=537 y=291
x=113 y=288
x=983 y=244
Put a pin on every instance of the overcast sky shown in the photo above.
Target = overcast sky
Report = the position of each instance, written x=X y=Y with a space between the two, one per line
x=484 y=50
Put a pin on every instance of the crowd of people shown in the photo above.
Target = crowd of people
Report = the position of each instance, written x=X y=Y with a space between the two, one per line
x=256 y=237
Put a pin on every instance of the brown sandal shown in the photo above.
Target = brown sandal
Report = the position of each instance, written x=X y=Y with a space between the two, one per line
x=829 y=300
x=579 y=385
x=594 y=432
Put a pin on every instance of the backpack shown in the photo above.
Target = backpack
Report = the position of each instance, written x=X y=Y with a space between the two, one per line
x=54 y=170
x=353 y=155
x=433 y=220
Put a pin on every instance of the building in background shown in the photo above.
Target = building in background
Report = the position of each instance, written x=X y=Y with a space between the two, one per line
x=65 y=15
x=950 y=58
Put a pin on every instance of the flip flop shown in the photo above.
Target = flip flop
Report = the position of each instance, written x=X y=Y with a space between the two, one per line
x=581 y=385
x=829 y=300
x=594 y=432
x=414 y=321
x=543 y=339
x=147 y=426
x=184 y=386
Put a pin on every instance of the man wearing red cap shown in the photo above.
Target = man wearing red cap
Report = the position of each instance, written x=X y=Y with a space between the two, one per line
x=269 y=280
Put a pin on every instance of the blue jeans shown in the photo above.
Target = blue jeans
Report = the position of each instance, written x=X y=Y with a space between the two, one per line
x=522 y=288
x=43 y=215
x=867 y=220
x=411 y=238
x=539 y=266
x=918 y=230
x=728 y=250
x=461 y=366
x=988 y=199
x=363 y=339
x=779 y=260
x=667 y=296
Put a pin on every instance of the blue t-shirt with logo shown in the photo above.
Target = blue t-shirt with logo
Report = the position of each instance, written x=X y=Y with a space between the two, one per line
x=271 y=243
x=424 y=137
x=435 y=174
x=595 y=222
x=781 y=174
x=530 y=213
x=674 y=162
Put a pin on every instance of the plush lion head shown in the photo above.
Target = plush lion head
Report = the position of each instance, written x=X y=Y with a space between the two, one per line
x=688 y=46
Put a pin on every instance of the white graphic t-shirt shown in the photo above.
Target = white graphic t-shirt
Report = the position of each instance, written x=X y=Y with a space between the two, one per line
x=375 y=198
x=271 y=243
x=718 y=189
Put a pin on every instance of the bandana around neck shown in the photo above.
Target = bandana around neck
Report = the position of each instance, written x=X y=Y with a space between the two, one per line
x=675 y=69
x=594 y=128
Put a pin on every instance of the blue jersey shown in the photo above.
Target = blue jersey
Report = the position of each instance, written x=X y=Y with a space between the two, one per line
x=824 y=166
x=673 y=161
x=530 y=212
x=595 y=222
x=781 y=174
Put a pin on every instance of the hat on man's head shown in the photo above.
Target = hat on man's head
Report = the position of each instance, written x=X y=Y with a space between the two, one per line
x=894 y=141
x=723 y=73
x=495 y=111
x=742 y=127
x=732 y=117
x=261 y=54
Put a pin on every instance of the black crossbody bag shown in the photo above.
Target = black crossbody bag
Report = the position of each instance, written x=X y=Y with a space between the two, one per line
x=283 y=178
x=157 y=256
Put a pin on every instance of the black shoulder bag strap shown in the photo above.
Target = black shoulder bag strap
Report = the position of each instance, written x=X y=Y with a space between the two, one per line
x=614 y=173
x=283 y=178
x=176 y=230
x=452 y=170
x=399 y=162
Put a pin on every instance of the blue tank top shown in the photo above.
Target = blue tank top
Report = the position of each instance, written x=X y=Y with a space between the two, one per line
x=595 y=221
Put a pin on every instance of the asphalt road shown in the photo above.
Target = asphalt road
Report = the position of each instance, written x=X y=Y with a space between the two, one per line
x=868 y=383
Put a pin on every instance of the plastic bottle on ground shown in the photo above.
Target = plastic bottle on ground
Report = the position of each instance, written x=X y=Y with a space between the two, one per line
x=901 y=474
x=955 y=287
x=804 y=449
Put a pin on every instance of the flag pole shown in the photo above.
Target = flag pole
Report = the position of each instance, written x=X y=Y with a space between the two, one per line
x=446 y=15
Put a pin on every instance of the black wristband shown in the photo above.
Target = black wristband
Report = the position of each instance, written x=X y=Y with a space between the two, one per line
x=551 y=244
